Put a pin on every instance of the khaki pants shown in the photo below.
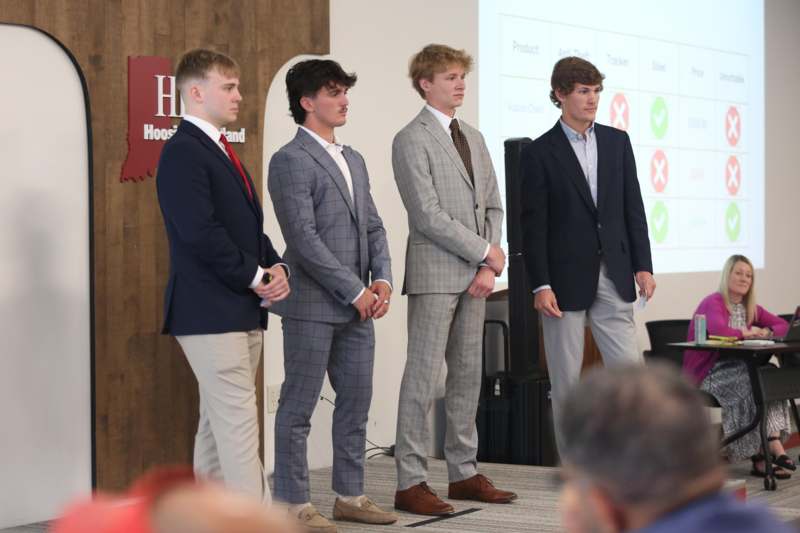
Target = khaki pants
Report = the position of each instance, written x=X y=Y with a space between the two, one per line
x=226 y=444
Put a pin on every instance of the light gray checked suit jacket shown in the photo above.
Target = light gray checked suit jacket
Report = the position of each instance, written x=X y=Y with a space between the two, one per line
x=449 y=221
x=333 y=244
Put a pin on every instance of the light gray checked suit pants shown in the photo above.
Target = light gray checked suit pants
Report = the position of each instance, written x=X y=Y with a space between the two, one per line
x=613 y=329
x=345 y=352
x=441 y=328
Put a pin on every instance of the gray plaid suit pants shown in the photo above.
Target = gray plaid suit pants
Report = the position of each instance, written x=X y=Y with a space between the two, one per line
x=441 y=328
x=346 y=352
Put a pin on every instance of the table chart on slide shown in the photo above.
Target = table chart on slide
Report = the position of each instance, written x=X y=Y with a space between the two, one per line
x=684 y=107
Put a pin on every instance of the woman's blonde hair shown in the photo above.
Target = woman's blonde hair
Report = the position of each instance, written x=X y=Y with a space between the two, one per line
x=749 y=299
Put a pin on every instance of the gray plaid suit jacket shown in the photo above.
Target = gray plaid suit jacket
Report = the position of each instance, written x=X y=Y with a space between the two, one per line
x=333 y=244
x=450 y=222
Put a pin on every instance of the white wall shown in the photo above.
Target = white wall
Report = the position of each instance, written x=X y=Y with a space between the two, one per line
x=45 y=441
x=376 y=39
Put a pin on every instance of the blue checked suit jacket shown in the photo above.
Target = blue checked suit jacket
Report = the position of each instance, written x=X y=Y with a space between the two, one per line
x=334 y=245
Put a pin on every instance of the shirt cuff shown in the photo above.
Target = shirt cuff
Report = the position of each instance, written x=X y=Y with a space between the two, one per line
x=486 y=253
x=285 y=268
x=357 y=297
x=257 y=279
x=386 y=281
x=261 y=271
x=541 y=288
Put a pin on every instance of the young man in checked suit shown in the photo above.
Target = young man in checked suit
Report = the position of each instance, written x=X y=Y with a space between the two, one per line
x=447 y=183
x=336 y=246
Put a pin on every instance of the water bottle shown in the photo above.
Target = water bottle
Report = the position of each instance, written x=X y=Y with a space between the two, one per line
x=700 y=329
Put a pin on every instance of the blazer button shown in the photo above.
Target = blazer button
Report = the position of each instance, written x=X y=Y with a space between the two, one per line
x=476 y=206
x=599 y=226
x=599 y=251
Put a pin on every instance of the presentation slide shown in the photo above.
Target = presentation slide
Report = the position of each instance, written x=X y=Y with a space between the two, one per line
x=685 y=79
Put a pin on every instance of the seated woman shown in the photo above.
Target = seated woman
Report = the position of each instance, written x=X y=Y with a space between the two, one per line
x=732 y=312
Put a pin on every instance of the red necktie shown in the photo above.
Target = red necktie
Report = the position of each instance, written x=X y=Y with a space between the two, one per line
x=237 y=164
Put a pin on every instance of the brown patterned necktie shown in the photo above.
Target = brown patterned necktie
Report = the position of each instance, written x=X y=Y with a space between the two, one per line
x=462 y=147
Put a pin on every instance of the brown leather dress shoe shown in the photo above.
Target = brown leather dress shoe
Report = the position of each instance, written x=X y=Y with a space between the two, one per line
x=479 y=488
x=420 y=499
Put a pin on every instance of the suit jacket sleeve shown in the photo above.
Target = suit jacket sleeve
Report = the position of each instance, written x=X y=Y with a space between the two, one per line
x=290 y=188
x=184 y=190
x=269 y=256
x=494 y=205
x=379 y=259
x=415 y=182
x=765 y=319
x=533 y=217
x=635 y=220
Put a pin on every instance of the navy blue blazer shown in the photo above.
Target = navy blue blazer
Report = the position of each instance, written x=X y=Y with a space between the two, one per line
x=564 y=236
x=216 y=238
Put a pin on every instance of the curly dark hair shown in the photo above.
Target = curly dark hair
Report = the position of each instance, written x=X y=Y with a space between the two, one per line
x=306 y=78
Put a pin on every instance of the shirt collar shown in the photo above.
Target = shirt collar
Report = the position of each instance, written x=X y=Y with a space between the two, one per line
x=324 y=143
x=204 y=125
x=573 y=135
x=443 y=119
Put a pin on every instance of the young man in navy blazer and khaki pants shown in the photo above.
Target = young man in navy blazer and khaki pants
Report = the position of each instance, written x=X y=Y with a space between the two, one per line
x=223 y=270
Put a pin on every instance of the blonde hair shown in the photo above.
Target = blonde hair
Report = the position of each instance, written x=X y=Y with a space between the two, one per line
x=435 y=58
x=749 y=299
x=196 y=64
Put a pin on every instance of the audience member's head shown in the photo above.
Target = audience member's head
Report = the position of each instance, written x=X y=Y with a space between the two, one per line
x=170 y=501
x=637 y=443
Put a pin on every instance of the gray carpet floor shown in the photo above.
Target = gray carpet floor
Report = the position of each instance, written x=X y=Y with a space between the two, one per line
x=536 y=510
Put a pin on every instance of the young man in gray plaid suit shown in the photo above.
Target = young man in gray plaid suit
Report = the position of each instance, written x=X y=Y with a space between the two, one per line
x=449 y=188
x=337 y=250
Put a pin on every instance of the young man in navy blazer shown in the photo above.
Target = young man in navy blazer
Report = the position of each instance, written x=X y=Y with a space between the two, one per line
x=584 y=232
x=222 y=267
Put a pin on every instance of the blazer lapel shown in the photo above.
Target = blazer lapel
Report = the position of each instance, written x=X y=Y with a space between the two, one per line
x=572 y=168
x=478 y=171
x=604 y=171
x=430 y=123
x=206 y=141
x=359 y=183
x=318 y=153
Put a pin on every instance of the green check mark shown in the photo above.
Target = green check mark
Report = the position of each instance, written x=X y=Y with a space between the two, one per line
x=659 y=117
x=733 y=222
x=659 y=222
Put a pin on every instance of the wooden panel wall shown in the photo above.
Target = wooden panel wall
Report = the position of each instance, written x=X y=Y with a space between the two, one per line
x=145 y=393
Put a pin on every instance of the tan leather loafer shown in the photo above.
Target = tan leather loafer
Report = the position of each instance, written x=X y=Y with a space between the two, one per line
x=311 y=521
x=366 y=512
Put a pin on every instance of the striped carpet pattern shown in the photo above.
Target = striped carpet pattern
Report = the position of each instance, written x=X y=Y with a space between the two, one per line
x=536 y=510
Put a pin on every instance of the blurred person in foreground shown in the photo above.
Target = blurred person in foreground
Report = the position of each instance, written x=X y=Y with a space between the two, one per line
x=169 y=500
x=654 y=470
x=732 y=311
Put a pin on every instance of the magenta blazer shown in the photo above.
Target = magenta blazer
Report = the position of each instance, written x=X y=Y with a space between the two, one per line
x=697 y=364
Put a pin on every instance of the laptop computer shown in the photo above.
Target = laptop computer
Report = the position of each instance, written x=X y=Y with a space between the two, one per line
x=793 y=334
